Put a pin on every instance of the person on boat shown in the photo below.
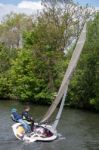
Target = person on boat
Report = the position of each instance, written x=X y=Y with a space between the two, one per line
x=26 y=117
x=17 y=118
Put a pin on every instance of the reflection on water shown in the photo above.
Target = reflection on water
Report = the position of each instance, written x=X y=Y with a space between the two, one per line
x=80 y=130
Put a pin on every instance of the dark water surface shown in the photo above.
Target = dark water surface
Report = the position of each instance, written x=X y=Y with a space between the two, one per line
x=80 y=130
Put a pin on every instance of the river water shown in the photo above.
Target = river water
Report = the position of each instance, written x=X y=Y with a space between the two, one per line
x=79 y=129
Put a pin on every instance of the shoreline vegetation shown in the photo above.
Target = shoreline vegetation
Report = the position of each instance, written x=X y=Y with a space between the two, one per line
x=35 y=52
x=66 y=106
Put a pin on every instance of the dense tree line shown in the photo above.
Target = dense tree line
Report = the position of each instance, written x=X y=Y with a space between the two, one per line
x=33 y=62
x=84 y=88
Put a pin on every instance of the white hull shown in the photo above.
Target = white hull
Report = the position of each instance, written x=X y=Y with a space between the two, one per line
x=39 y=133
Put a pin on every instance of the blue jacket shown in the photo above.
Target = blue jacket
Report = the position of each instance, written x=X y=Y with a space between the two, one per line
x=16 y=116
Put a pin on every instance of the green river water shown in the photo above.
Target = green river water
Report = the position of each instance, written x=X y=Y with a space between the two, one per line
x=79 y=129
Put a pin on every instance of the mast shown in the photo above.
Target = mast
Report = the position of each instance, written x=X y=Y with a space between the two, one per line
x=54 y=125
x=69 y=72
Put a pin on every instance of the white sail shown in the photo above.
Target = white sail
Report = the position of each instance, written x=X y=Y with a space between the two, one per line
x=71 y=67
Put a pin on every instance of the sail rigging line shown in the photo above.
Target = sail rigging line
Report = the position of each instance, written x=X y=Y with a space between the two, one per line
x=69 y=72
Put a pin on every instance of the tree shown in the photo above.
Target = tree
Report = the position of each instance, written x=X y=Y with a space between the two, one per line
x=12 y=29
x=84 y=86
x=5 y=64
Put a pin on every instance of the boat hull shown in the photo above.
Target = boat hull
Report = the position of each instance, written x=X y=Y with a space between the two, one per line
x=43 y=132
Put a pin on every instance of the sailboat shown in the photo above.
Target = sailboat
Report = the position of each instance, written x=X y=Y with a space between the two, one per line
x=44 y=131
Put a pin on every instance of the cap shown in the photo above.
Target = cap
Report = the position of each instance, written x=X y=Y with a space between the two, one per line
x=13 y=110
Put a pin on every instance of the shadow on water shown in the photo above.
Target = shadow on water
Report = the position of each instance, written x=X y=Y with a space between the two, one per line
x=80 y=130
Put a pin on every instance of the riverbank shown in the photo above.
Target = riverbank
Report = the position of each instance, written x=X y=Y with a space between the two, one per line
x=24 y=103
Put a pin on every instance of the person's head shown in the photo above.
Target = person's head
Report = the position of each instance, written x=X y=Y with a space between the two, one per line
x=13 y=110
x=27 y=108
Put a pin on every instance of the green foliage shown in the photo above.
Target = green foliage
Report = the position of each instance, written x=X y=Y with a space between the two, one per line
x=5 y=54
x=4 y=87
x=12 y=27
x=84 y=88
x=36 y=77
x=34 y=72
